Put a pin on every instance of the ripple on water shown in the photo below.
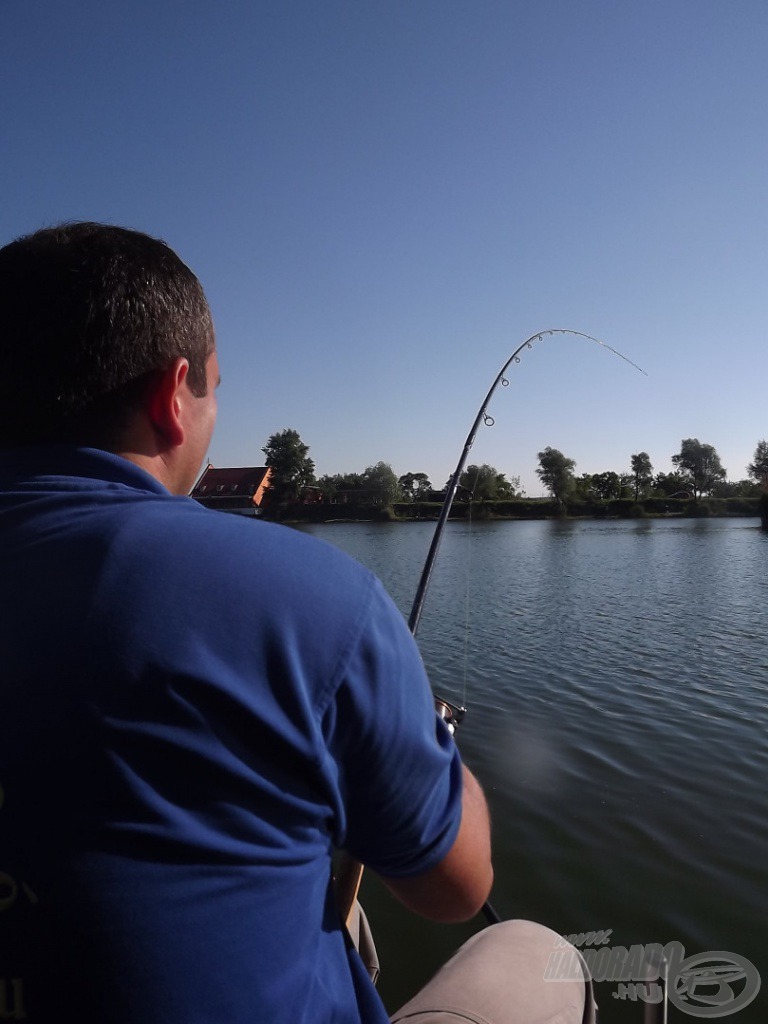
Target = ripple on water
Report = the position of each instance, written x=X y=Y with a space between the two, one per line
x=617 y=685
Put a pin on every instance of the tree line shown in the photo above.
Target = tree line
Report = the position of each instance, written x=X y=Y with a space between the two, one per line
x=698 y=472
x=293 y=479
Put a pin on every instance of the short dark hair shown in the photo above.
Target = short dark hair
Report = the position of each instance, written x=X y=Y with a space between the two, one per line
x=88 y=314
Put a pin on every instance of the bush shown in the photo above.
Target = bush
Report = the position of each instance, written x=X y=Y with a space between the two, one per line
x=702 y=508
x=580 y=509
x=626 y=508
x=656 y=505
x=743 y=506
x=383 y=514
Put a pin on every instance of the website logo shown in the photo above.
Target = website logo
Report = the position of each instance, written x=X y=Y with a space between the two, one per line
x=705 y=985
x=715 y=984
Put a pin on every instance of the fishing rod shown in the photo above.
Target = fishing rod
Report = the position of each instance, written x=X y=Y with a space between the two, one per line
x=350 y=874
x=450 y=712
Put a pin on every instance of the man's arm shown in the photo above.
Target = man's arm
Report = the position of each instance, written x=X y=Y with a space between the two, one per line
x=456 y=888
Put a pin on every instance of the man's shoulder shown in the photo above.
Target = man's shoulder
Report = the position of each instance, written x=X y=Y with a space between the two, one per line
x=244 y=554
x=216 y=531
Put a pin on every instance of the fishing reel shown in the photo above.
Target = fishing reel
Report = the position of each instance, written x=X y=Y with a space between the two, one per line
x=451 y=714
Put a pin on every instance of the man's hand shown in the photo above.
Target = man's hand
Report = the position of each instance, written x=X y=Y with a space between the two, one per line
x=459 y=885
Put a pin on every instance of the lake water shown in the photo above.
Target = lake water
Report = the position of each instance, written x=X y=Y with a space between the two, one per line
x=616 y=679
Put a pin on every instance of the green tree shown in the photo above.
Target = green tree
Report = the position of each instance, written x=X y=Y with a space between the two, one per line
x=292 y=469
x=381 y=483
x=415 y=486
x=331 y=485
x=667 y=484
x=607 y=485
x=507 y=488
x=603 y=486
x=350 y=481
x=642 y=473
x=487 y=484
x=556 y=473
x=736 y=489
x=583 y=487
x=700 y=465
x=758 y=470
x=327 y=485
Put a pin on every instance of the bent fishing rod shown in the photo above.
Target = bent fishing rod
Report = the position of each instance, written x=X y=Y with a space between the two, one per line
x=448 y=711
x=349 y=883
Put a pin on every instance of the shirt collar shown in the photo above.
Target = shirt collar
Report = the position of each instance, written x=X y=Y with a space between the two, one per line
x=40 y=462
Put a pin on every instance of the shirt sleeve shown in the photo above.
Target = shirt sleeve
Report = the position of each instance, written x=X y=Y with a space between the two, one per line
x=397 y=769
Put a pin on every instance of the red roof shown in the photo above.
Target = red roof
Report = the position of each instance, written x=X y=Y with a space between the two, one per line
x=242 y=481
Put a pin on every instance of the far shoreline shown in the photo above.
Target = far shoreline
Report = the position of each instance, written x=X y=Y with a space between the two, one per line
x=519 y=510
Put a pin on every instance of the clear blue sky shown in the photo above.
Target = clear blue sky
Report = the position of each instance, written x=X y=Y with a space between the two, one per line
x=382 y=199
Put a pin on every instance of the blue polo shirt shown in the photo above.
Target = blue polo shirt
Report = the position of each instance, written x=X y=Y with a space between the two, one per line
x=196 y=709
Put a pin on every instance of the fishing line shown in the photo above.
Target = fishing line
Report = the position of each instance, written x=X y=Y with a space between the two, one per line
x=453 y=485
x=467 y=593
x=454 y=715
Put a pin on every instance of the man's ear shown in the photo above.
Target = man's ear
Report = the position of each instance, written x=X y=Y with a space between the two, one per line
x=166 y=402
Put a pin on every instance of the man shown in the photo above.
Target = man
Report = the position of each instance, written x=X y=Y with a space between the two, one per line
x=194 y=712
